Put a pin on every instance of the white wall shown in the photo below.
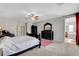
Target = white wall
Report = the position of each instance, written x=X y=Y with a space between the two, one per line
x=58 y=25
x=10 y=25
x=29 y=24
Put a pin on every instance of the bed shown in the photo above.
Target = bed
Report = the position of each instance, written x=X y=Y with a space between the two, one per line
x=13 y=46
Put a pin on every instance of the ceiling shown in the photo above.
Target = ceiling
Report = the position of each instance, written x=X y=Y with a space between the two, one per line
x=46 y=10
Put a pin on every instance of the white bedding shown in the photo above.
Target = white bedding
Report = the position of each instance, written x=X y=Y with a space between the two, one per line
x=17 y=44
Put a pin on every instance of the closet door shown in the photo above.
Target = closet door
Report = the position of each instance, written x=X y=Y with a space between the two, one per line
x=21 y=30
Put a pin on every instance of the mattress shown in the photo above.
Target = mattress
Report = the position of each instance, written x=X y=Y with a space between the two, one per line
x=17 y=44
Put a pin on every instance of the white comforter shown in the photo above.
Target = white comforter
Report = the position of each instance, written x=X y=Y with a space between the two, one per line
x=17 y=44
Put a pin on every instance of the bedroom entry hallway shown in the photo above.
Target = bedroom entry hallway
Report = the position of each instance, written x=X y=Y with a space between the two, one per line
x=70 y=30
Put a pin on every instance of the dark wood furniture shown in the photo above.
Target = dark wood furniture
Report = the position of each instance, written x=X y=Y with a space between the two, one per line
x=47 y=33
x=33 y=31
x=6 y=33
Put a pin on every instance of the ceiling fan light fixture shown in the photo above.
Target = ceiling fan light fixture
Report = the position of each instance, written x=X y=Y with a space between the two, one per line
x=34 y=17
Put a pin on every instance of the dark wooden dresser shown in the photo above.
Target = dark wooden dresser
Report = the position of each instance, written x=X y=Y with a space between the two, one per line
x=47 y=34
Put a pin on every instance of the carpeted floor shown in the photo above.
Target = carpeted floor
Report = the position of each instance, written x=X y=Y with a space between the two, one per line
x=55 y=49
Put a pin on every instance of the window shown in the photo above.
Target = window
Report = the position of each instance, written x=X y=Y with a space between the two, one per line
x=71 y=28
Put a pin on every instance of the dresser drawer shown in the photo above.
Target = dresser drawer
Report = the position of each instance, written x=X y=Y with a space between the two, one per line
x=47 y=34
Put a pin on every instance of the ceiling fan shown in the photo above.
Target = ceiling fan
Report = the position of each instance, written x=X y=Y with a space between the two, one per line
x=33 y=15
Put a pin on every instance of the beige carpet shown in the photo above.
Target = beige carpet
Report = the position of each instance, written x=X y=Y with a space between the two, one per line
x=55 y=49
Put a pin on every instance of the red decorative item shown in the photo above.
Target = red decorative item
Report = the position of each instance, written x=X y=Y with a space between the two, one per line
x=77 y=28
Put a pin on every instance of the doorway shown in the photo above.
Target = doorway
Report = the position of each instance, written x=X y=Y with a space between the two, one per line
x=70 y=30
